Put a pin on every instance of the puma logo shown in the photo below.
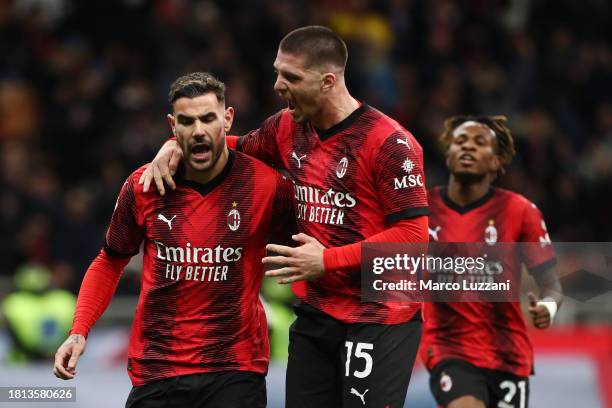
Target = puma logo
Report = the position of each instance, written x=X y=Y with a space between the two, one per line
x=434 y=232
x=161 y=217
x=404 y=142
x=298 y=159
x=361 y=396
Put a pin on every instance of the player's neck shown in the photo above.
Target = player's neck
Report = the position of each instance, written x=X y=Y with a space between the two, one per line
x=335 y=109
x=204 y=177
x=464 y=194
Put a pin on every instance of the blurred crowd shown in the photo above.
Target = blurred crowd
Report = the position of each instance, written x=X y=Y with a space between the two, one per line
x=83 y=98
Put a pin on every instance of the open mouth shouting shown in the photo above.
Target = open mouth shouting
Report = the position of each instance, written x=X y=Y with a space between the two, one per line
x=290 y=106
x=201 y=152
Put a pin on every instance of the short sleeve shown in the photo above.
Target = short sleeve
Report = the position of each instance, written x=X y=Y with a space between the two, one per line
x=262 y=143
x=125 y=232
x=399 y=177
x=539 y=255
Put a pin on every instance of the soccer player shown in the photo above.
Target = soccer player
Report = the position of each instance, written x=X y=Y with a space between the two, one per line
x=199 y=337
x=479 y=354
x=358 y=178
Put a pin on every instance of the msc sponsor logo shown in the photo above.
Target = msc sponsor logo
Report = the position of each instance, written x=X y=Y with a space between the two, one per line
x=409 y=181
x=408 y=166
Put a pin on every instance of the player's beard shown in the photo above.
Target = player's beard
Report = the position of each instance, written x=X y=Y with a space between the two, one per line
x=208 y=165
x=467 y=178
x=197 y=165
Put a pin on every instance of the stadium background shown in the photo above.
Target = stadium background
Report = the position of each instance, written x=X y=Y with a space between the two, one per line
x=83 y=89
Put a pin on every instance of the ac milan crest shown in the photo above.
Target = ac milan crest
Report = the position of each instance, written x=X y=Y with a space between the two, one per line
x=490 y=234
x=446 y=383
x=342 y=167
x=233 y=218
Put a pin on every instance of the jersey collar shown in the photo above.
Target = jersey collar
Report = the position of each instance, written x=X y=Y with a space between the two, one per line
x=204 y=189
x=340 y=126
x=462 y=210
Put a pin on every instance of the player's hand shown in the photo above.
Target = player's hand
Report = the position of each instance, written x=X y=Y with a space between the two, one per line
x=540 y=316
x=297 y=264
x=67 y=356
x=163 y=167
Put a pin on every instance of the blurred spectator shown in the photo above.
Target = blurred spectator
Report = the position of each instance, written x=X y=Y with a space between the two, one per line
x=19 y=118
x=38 y=317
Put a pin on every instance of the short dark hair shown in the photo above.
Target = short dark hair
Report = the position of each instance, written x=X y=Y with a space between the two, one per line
x=505 y=141
x=196 y=84
x=318 y=44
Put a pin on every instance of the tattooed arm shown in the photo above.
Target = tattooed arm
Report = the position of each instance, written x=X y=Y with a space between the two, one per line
x=67 y=356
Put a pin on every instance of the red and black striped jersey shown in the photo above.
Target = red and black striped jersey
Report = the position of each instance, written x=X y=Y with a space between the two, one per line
x=351 y=181
x=490 y=335
x=199 y=308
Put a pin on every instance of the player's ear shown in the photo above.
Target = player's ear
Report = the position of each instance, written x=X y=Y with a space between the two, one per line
x=496 y=163
x=229 y=118
x=172 y=123
x=328 y=81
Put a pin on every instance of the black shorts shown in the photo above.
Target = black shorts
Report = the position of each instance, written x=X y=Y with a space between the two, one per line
x=231 y=389
x=451 y=379
x=335 y=364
